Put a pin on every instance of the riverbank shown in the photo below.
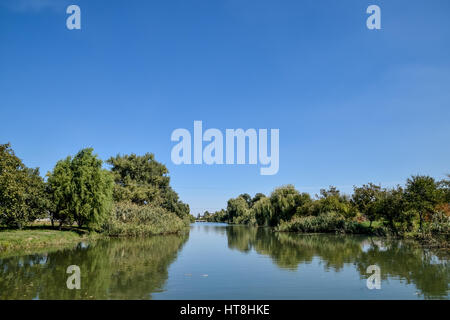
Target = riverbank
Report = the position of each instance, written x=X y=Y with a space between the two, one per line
x=42 y=235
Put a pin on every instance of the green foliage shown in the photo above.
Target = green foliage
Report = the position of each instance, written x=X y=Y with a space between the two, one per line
x=444 y=186
x=80 y=190
x=390 y=208
x=133 y=220
x=332 y=200
x=284 y=202
x=365 y=199
x=422 y=195
x=236 y=207
x=256 y=198
x=143 y=180
x=22 y=191
x=324 y=222
x=397 y=211
x=263 y=211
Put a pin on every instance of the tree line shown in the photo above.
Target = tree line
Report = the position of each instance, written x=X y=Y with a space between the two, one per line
x=79 y=190
x=423 y=204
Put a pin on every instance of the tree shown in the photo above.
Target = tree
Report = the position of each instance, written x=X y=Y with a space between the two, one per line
x=332 y=200
x=444 y=186
x=139 y=179
x=262 y=211
x=247 y=199
x=256 y=198
x=422 y=195
x=143 y=180
x=365 y=198
x=284 y=202
x=391 y=207
x=236 y=207
x=22 y=190
x=81 y=190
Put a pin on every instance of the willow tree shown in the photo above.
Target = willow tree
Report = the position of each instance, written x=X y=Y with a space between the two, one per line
x=80 y=190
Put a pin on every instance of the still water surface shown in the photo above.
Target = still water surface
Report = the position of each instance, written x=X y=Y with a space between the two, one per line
x=216 y=261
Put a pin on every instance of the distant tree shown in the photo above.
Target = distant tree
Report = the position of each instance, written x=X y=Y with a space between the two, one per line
x=285 y=201
x=332 y=200
x=365 y=198
x=80 y=190
x=422 y=195
x=247 y=198
x=22 y=190
x=262 y=211
x=236 y=207
x=444 y=186
x=256 y=198
x=391 y=207
x=304 y=205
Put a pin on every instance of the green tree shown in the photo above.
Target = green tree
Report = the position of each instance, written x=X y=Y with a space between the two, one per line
x=365 y=198
x=284 y=202
x=236 y=207
x=422 y=195
x=143 y=180
x=444 y=186
x=81 y=190
x=22 y=190
x=332 y=200
x=256 y=198
x=391 y=207
x=263 y=211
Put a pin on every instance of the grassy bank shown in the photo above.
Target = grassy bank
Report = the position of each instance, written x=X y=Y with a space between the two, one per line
x=128 y=220
x=39 y=236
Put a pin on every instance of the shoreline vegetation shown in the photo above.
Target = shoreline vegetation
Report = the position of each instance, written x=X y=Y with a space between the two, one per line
x=420 y=210
x=80 y=200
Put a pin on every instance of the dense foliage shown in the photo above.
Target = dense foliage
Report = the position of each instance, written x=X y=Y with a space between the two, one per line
x=420 y=208
x=133 y=198
x=133 y=220
x=80 y=190
x=22 y=191
x=143 y=180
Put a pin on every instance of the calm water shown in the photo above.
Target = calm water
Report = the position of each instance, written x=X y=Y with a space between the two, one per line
x=216 y=261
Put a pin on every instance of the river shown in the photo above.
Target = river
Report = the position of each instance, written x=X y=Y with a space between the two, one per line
x=219 y=261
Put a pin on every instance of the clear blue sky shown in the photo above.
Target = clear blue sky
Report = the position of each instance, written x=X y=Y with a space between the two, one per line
x=352 y=105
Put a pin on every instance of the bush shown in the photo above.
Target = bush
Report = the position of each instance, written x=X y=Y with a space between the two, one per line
x=133 y=220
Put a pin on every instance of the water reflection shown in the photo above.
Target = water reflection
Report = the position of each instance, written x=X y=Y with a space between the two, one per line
x=427 y=270
x=239 y=262
x=110 y=269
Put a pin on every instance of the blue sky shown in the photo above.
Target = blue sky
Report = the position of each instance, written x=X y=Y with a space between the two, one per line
x=353 y=105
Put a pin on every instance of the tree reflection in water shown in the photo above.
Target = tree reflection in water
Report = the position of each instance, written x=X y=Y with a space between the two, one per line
x=408 y=261
x=110 y=269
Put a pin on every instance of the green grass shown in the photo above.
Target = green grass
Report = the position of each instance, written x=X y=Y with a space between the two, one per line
x=41 y=236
